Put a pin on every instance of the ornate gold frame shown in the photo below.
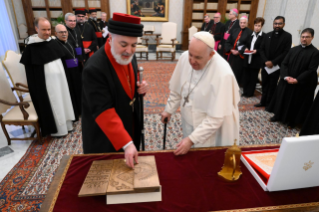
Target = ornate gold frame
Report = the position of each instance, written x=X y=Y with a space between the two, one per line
x=150 y=19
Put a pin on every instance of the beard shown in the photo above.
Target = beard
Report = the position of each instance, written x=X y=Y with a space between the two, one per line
x=118 y=57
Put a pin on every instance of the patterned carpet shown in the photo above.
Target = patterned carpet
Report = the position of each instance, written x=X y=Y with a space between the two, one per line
x=25 y=186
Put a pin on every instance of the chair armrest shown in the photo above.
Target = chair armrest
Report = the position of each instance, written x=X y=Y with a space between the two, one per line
x=146 y=41
x=173 y=42
x=18 y=84
x=20 y=89
x=158 y=41
x=21 y=105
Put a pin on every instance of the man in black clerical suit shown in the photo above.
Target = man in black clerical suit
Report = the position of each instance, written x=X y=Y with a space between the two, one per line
x=208 y=23
x=235 y=47
x=274 y=48
x=71 y=67
x=87 y=34
x=217 y=29
x=298 y=81
x=111 y=101
x=93 y=21
x=103 y=24
x=253 y=61
x=230 y=26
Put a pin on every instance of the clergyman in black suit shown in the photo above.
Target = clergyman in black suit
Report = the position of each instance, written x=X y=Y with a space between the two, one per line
x=274 y=48
x=103 y=23
x=207 y=25
x=252 y=62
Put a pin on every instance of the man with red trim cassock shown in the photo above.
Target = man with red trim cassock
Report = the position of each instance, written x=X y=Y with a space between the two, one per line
x=111 y=99
x=88 y=36
x=93 y=21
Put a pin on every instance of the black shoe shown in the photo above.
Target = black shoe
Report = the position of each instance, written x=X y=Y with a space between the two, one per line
x=273 y=119
x=259 y=105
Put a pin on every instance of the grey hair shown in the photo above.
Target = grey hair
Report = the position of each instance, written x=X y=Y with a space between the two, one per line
x=103 y=13
x=66 y=17
x=236 y=14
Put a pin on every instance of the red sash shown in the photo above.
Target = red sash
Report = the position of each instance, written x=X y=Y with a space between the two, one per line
x=98 y=34
x=86 y=45
x=235 y=44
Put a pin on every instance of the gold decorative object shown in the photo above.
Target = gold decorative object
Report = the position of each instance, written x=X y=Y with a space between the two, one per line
x=231 y=168
x=308 y=165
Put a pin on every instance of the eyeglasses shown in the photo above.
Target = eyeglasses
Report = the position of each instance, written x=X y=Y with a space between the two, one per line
x=62 y=32
x=305 y=37
x=216 y=17
x=279 y=24
x=72 y=20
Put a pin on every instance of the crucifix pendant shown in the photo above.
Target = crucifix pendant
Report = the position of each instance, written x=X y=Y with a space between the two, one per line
x=82 y=37
x=74 y=60
x=77 y=45
x=185 y=100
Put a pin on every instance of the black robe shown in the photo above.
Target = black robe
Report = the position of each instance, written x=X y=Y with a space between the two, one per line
x=97 y=31
x=218 y=31
x=104 y=93
x=73 y=76
x=207 y=26
x=74 y=38
x=229 y=28
x=87 y=35
x=311 y=124
x=34 y=57
x=102 y=25
x=237 y=61
x=291 y=102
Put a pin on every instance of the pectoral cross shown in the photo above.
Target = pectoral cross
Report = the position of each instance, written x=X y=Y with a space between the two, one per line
x=185 y=100
x=82 y=37
x=75 y=61
x=132 y=104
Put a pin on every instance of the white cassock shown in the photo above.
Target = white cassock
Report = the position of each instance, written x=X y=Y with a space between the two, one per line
x=58 y=92
x=211 y=116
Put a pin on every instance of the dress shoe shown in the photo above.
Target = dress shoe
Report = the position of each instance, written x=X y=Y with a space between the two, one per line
x=259 y=105
x=273 y=119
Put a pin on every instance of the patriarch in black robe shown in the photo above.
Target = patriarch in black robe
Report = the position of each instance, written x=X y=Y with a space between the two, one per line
x=298 y=80
x=47 y=81
x=207 y=24
x=230 y=26
x=71 y=68
x=273 y=50
x=235 y=48
x=87 y=34
x=311 y=124
x=111 y=101
x=252 y=62
x=217 y=29
x=93 y=21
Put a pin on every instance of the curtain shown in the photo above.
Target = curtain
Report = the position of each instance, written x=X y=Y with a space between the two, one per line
x=8 y=39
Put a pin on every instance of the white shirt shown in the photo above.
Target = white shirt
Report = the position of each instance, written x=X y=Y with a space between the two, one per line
x=253 y=44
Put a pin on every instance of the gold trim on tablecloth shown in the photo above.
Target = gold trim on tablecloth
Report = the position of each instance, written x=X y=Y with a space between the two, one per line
x=268 y=208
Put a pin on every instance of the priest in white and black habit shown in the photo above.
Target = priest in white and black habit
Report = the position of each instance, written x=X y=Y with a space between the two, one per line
x=111 y=110
x=71 y=68
x=47 y=82
x=298 y=80
x=87 y=33
x=235 y=47
x=93 y=21
x=273 y=50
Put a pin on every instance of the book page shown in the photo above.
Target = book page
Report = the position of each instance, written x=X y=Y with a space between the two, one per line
x=265 y=161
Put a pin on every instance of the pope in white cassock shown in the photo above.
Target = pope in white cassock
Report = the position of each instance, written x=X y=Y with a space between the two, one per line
x=204 y=87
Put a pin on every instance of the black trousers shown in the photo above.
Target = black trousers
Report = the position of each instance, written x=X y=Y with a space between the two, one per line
x=250 y=80
x=269 y=84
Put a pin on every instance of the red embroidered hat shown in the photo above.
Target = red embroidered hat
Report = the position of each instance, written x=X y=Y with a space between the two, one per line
x=127 y=25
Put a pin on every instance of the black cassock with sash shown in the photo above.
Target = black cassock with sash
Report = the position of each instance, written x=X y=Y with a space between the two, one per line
x=88 y=37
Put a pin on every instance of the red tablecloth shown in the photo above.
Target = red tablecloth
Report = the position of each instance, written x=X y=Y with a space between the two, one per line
x=189 y=183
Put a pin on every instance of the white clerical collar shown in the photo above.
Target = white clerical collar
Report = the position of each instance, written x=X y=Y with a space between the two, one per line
x=305 y=46
x=259 y=34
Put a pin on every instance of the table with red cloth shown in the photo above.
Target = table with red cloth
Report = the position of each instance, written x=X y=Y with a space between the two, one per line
x=189 y=183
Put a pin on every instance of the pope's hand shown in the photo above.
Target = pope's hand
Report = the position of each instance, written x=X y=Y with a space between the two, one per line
x=131 y=155
x=165 y=115
x=184 y=146
x=142 y=88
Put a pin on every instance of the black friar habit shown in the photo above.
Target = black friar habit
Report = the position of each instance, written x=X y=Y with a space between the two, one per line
x=112 y=113
x=108 y=120
x=89 y=39
x=238 y=40
x=230 y=26
x=97 y=30
x=207 y=26
x=311 y=124
x=291 y=102
x=74 y=38
x=34 y=57
x=73 y=76
x=103 y=24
